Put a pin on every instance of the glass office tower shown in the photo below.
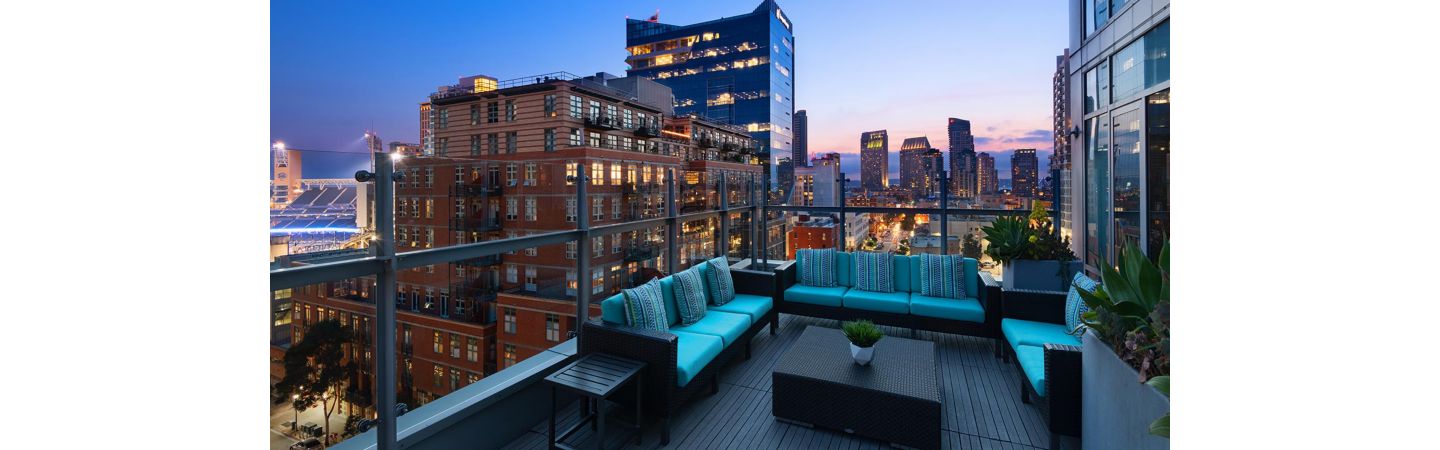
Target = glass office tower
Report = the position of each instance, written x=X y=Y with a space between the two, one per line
x=738 y=70
x=1120 y=60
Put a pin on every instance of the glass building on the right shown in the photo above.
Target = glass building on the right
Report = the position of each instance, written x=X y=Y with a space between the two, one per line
x=1120 y=146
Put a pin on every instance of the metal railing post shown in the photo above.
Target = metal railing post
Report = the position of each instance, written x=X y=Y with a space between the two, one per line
x=840 y=240
x=672 y=225
x=723 y=247
x=385 y=364
x=753 y=209
x=583 y=281
x=765 y=215
x=944 y=215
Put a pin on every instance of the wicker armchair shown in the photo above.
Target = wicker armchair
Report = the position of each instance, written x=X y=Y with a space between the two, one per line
x=1060 y=406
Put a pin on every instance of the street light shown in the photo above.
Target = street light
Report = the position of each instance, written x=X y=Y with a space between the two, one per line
x=293 y=398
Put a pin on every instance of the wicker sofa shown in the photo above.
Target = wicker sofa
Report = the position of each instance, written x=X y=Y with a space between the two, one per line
x=686 y=360
x=1034 y=335
x=978 y=315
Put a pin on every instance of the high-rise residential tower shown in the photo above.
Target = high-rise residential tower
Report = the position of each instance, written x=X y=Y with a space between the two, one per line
x=915 y=174
x=1121 y=103
x=1024 y=172
x=962 y=158
x=874 y=160
x=801 y=154
x=1060 y=159
x=735 y=70
x=986 y=180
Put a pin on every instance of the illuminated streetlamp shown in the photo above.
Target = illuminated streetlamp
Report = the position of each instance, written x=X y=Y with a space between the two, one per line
x=294 y=398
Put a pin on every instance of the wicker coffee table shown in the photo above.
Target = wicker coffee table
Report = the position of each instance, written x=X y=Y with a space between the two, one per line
x=895 y=399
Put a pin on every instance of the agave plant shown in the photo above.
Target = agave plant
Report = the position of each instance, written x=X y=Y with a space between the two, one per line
x=1130 y=312
x=1009 y=237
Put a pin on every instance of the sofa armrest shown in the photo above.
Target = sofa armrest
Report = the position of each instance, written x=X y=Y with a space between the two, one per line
x=754 y=282
x=989 y=297
x=1062 y=387
x=786 y=275
x=657 y=349
x=1036 y=306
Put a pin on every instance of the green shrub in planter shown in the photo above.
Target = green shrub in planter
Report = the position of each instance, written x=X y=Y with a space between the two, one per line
x=1130 y=313
x=862 y=333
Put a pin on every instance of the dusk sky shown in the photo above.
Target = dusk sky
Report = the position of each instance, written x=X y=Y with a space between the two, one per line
x=339 y=68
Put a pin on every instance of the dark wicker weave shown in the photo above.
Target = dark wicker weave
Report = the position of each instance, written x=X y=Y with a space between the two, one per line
x=895 y=399
x=658 y=350
x=1061 y=405
x=987 y=297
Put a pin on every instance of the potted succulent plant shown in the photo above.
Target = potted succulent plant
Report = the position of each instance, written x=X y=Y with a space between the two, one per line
x=1125 y=362
x=1032 y=255
x=862 y=335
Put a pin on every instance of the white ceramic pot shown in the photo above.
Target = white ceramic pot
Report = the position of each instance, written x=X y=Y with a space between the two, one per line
x=862 y=355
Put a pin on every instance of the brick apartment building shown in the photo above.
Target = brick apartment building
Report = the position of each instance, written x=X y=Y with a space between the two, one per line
x=502 y=161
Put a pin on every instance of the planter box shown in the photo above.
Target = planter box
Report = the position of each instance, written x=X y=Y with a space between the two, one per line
x=1115 y=407
x=1035 y=275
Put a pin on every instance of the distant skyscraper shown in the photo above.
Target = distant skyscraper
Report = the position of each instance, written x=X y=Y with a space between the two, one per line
x=801 y=154
x=913 y=171
x=875 y=160
x=986 y=180
x=754 y=85
x=931 y=163
x=962 y=158
x=818 y=183
x=785 y=169
x=1060 y=159
x=1024 y=172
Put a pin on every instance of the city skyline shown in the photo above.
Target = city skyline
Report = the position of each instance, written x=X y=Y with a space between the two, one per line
x=334 y=75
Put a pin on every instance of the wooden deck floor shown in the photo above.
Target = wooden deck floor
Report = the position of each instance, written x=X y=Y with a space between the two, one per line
x=981 y=403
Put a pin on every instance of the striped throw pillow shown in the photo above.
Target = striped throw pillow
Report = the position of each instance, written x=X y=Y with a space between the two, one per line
x=817 y=267
x=690 y=296
x=722 y=284
x=645 y=307
x=874 y=272
x=942 y=276
x=1074 y=305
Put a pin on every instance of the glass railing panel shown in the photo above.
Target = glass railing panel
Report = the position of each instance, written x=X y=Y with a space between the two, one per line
x=322 y=360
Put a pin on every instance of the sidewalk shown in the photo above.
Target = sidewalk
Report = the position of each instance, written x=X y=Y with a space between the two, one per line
x=281 y=415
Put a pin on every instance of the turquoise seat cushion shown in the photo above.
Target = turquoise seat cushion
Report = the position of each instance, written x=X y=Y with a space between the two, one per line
x=755 y=306
x=815 y=295
x=891 y=302
x=693 y=351
x=1025 y=332
x=727 y=326
x=689 y=296
x=1032 y=361
x=612 y=310
x=962 y=309
x=874 y=271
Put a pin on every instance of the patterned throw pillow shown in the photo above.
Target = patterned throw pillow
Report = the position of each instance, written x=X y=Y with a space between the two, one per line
x=645 y=307
x=942 y=276
x=722 y=285
x=1074 y=305
x=874 y=272
x=817 y=267
x=690 y=296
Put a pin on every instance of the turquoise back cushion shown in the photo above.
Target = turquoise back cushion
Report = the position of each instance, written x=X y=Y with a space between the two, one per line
x=704 y=271
x=902 y=274
x=672 y=309
x=845 y=269
x=612 y=310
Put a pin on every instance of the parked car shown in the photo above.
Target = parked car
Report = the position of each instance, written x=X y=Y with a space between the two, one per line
x=311 y=443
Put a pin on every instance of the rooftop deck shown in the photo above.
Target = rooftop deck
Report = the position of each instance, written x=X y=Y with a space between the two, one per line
x=981 y=404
